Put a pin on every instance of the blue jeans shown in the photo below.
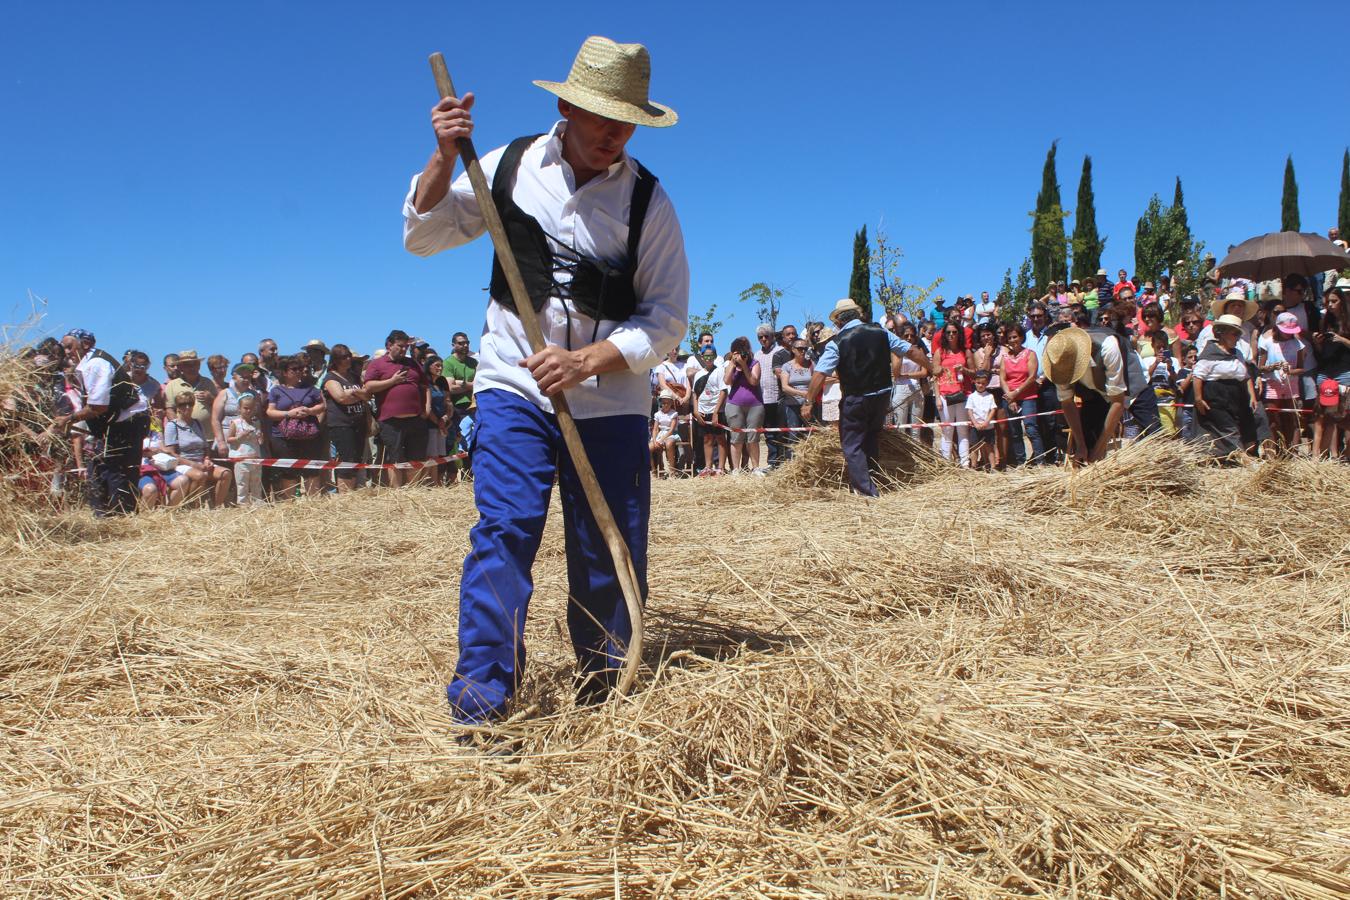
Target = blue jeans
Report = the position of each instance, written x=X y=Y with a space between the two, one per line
x=518 y=449
x=1017 y=449
x=1144 y=413
x=1042 y=430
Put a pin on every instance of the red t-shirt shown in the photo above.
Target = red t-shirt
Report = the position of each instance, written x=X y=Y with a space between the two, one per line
x=401 y=400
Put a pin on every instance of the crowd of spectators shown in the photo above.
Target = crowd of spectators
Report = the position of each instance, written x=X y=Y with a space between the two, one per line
x=1281 y=348
x=137 y=440
x=991 y=403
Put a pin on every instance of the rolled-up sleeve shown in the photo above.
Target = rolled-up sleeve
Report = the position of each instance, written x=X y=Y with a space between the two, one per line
x=829 y=359
x=899 y=346
x=454 y=221
x=1114 y=366
x=662 y=285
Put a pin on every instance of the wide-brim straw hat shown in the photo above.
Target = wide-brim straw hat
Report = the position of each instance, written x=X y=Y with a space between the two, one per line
x=188 y=356
x=611 y=80
x=1219 y=304
x=1068 y=356
x=845 y=305
x=1224 y=322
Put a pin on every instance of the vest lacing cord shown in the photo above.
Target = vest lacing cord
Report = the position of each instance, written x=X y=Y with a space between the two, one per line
x=567 y=259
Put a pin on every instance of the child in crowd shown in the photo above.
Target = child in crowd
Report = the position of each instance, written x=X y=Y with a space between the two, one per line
x=1162 y=378
x=245 y=439
x=1186 y=389
x=980 y=408
x=663 y=440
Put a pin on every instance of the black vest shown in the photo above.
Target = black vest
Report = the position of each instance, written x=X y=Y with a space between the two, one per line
x=122 y=395
x=596 y=289
x=864 y=359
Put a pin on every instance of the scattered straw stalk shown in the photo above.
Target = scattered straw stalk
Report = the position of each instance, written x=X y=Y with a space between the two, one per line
x=956 y=690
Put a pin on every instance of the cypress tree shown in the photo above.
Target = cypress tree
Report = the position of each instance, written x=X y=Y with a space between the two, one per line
x=1343 y=213
x=1049 y=253
x=1180 y=219
x=860 y=281
x=1087 y=245
x=1289 y=202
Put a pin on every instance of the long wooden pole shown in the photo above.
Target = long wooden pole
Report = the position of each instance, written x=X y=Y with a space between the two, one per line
x=623 y=560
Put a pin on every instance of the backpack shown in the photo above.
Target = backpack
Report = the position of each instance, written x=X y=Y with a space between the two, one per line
x=123 y=395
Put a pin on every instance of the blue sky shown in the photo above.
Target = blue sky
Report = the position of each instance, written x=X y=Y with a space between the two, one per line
x=202 y=175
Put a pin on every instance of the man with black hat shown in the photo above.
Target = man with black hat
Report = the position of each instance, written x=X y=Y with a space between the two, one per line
x=603 y=260
x=860 y=353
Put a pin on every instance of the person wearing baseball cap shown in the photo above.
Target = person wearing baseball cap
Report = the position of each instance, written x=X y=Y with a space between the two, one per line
x=572 y=200
x=1332 y=344
x=1281 y=360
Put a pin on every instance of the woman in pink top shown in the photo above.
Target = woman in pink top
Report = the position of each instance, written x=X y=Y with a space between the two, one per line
x=1018 y=370
x=954 y=371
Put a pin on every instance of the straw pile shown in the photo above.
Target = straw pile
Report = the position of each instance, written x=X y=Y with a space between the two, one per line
x=818 y=463
x=944 y=692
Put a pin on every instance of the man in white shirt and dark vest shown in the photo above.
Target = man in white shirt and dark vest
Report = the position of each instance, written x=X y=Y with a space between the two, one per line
x=602 y=256
x=860 y=353
x=118 y=417
x=1098 y=367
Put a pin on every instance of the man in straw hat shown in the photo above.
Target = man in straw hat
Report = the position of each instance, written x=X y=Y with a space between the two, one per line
x=860 y=353
x=602 y=256
x=1099 y=367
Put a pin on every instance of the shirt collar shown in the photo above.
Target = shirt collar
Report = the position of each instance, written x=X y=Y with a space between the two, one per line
x=553 y=151
x=851 y=323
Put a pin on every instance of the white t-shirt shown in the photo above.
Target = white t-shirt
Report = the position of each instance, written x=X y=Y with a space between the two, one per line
x=984 y=312
x=707 y=400
x=673 y=373
x=693 y=369
x=1285 y=350
x=665 y=422
x=980 y=406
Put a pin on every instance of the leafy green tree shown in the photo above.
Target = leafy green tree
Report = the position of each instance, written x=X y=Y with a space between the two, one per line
x=1289 y=200
x=1188 y=272
x=892 y=292
x=1152 y=242
x=769 y=300
x=1049 y=246
x=860 y=282
x=1018 y=294
x=1087 y=244
x=1343 y=211
x=699 y=324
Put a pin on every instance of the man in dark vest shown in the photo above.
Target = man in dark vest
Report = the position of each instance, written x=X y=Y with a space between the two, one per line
x=603 y=260
x=860 y=354
x=118 y=418
x=1099 y=369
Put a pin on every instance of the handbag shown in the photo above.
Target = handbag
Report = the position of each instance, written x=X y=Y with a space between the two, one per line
x=298 y=429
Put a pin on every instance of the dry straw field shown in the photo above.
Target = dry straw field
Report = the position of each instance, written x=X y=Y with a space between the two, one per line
x=1133 y=681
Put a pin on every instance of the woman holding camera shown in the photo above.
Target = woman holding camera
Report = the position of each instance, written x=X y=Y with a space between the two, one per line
x=745 y=404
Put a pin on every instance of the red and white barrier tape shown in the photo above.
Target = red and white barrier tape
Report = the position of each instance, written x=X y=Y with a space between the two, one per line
x=278 y=463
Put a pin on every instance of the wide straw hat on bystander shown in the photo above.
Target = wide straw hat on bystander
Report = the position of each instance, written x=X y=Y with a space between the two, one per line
x=1219 y=304
x=1068 y=356
x=1227 y=323
x=611 y=80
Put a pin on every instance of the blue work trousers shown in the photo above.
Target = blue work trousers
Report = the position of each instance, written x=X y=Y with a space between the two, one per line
x=518 y=450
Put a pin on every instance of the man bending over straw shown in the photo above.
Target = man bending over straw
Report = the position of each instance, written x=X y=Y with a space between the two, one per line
x=601 y=252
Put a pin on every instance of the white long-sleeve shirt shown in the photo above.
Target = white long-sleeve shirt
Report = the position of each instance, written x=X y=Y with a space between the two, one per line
x=591 y=219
